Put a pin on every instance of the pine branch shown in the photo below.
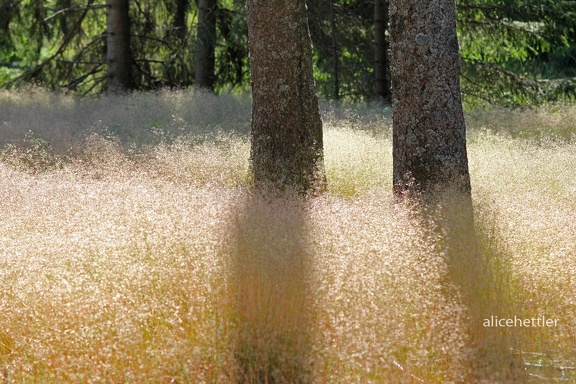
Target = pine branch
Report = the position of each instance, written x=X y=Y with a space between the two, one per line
x=67 y=40
x=72 y=9
x=74 y=83
x=96 y=82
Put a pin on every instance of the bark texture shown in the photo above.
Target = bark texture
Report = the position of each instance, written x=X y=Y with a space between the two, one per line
x=429 y=134
x=206 y=45
x=381 y=46
x=286 y=142
x=118 y=53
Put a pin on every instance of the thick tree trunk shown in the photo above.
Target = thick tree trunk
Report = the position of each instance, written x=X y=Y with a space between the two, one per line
x=429 y=134
x=381 y=62
x=206 y=45
x=286 y=125
x=118 y=54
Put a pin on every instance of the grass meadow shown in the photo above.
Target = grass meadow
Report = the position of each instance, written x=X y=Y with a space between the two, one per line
x=132 y=250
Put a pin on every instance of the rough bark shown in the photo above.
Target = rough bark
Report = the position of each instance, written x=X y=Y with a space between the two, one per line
x=206 y=45
x=429 y=134
x=381 y=61
x=286 y=142
x=118 y=53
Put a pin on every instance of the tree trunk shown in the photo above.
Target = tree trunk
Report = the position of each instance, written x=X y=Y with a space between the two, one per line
x=286 y=125
x=335 y=53
x=206 y=45
x=179 y=21
x=64 y=21
x=381 y=61
x=118 y=54
x=429 y=134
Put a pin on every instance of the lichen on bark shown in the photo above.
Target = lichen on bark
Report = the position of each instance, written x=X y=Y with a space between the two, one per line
x=286 y=140
x=429 y=133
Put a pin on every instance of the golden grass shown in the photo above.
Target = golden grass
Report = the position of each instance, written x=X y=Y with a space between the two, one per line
x=153 y=262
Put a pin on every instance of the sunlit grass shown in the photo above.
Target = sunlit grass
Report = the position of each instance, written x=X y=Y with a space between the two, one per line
x=132 y=250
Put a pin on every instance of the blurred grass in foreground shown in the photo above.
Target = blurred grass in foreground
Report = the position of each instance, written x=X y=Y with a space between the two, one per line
x=132 y=250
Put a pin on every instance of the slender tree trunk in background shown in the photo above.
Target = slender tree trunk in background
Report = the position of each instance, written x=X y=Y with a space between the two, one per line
x=7 y=10
x=286 y=142
x=429 y=134
x=64 y=4
x=381 y=61
x=335 y=53
x=206 y=45
x=118 y=53
x=179 y=21
x=235 y=52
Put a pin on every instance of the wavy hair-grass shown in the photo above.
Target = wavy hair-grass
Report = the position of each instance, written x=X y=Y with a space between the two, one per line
x=155 y=262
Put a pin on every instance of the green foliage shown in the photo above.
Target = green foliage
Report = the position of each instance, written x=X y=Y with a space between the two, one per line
x=516 y=52
x=355 y=49
x=61 y=44
x=513 y=51
x=55 y=43
x=232 y=62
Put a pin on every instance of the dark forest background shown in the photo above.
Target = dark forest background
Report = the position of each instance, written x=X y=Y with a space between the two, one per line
x=513 y=52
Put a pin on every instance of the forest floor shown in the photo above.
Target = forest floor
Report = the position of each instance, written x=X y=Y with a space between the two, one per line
x=132 y=250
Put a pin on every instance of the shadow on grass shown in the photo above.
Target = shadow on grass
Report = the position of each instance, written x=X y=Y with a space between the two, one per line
x=269 y=287
x=478 y=275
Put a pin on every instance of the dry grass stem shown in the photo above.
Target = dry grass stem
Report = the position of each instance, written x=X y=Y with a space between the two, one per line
x=133 y=251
